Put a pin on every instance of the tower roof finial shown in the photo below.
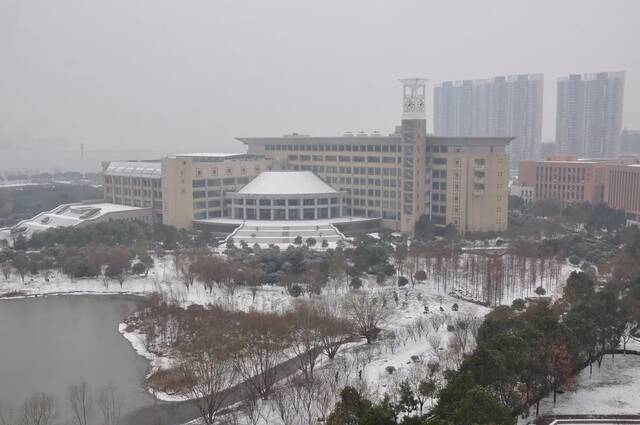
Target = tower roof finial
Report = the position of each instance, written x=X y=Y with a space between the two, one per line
x=413 y=98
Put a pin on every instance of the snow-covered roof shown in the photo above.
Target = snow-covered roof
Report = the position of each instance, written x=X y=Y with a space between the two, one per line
x=70 y=215
x=209 y=154
x=134 y=169
x=286 y=183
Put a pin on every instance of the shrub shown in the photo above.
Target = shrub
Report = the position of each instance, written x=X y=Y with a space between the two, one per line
x=540 y=291
x=518 y=304
x=355 y=283
x=390 y=369
x=295 y=290
x=402 y=281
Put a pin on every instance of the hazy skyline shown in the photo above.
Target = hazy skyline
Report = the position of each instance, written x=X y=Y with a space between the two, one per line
x=159 y=76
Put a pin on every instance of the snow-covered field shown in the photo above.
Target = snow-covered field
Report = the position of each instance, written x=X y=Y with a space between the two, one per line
x=401 y=346
x=612 y=389
x=161 y=279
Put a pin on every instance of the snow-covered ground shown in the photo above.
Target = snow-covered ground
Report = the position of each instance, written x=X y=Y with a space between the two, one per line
x=612 y=389
x=161 y=279
x=400 y=346
x=138 y=342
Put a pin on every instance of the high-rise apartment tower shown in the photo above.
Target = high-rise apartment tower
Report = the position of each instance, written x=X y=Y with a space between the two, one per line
x=589 y=114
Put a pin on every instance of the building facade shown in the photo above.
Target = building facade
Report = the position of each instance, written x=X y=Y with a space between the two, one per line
x=564 y=179
x=622 y=189
x=569 y=180
x=589 y=114
x=500 y=106
x=396 y=178
x=194 y=186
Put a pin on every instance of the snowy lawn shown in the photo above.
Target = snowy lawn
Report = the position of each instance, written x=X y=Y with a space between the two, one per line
x=612 y=389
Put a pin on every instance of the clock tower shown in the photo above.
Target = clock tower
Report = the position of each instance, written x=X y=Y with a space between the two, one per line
x=415 y=191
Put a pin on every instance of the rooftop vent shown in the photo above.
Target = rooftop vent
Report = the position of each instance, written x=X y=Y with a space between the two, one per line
x=347 y=134
x=362 y=134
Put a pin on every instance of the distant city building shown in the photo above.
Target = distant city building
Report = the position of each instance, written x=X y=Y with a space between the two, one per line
x=501 y=106
x=391 y=180
x=630 y=142
x=547 y=150
x=569 y=180
x=589 y=114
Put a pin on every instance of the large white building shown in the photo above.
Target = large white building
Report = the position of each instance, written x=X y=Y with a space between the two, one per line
x=389 y=180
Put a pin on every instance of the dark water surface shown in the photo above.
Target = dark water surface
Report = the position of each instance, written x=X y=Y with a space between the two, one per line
x=50 y=343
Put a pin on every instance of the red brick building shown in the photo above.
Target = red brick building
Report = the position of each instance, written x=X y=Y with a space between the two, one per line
x=569 y=180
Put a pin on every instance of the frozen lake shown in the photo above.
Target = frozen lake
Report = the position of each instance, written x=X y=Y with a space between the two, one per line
x=50 y=343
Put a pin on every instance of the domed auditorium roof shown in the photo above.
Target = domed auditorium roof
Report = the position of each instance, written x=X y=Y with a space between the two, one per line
x=286 y=183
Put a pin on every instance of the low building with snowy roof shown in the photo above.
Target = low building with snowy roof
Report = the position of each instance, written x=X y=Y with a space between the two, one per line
x=79 y=214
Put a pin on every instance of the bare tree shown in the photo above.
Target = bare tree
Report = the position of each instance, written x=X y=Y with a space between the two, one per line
x=305 y=393
x=264 y=337
x=5 y=267
x=462 y=331
x=209 y=374
x=306 y=340
x=286 y=404
x=434 y=342
x=39 y=409
x=252 y=409
x=367 y=312
x=437 y=321
x=334 y=331
x=81 y=402
x=110 y=404
x=21 y=263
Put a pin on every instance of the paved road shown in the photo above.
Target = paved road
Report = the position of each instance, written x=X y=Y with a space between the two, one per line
x=175 y=413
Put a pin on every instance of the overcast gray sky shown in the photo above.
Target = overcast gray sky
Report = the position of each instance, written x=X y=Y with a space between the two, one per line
x=159 y=76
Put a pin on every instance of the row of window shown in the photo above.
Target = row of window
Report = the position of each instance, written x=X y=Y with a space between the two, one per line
x=329 y=158
x=200 y=205
x=133 y=192
x=439 y=174
x=228 y=171
x=563 y=174
x=132 y=181
x=335 y=148
x=286 y=202
x=228 y=181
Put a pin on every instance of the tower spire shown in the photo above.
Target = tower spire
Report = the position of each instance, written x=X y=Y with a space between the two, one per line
x=413 y=98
